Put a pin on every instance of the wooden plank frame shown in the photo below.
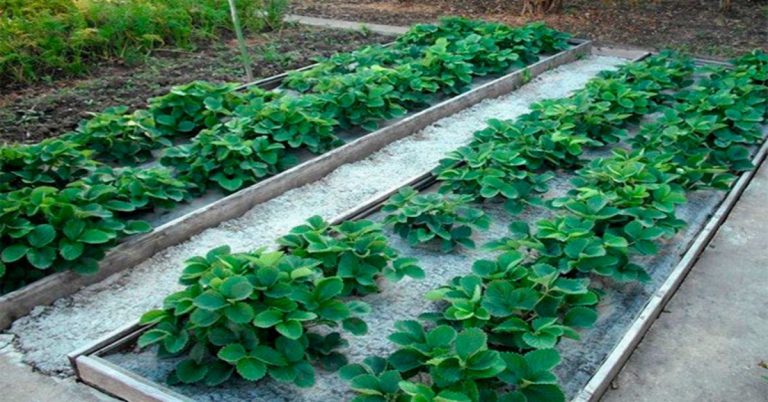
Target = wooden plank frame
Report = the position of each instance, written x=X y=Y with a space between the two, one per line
x=614 y=362
x=137 y=249
x=96 y=371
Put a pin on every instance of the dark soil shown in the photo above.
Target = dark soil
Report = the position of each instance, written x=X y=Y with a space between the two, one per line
x=692 y=26
x=41 y=111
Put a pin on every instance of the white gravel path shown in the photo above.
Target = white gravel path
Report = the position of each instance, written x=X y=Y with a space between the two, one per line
x=47 y=334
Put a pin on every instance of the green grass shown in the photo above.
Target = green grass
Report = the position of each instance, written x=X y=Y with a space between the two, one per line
x=45 y=39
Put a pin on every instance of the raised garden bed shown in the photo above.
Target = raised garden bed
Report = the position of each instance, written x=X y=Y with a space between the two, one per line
x=112 y=364
x=99 y=309
x=135 y=250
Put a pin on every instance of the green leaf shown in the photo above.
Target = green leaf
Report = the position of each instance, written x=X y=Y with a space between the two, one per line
x=441 y=336
x=291 y=329
x=95 y=236
x=236 y=288
x=542 y=360
x=232 y=353
x=137 y=227
x=268 y=356
x=543 y=393
x=210 y=300
x=240 y=313
x=190 y=371
x=218 y=373
x=580 y=317
x=14 y=252
x=328 y=288
x=41 y=258
x=70 y=250
x=152 y=336
x=152 y=316
x=469 y=342
x=41 y=235
x=268 y=318
x=355 y=326
x=251 y=368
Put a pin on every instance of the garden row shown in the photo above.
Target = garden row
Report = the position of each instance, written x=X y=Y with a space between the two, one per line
x=65 y=193
x=494 y=338
x=45 y=38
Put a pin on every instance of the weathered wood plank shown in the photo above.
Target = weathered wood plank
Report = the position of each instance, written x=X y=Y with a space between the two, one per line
x=615 y=361
x=123 y=384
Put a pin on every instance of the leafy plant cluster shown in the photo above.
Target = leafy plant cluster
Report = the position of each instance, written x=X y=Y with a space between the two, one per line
x=260 y=313
x=493 y=338
x=379 y=83
x=514 y=160
x=422 y=218
x=356 y=251
x=48 y=229
x=44 y=38
x=240 y=137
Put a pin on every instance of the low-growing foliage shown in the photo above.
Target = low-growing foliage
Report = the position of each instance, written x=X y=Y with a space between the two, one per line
x=356 y=251
x=142 y=188
x=188 y=108
x=514 y=310
x=294 y=121
x=226 y=160
x=254 y=314
x=46 y=229
x=421 y=218
x=115 y=136
x=40 y=39
x=54 y=162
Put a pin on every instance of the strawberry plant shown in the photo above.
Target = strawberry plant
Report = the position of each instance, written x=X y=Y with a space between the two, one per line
x=452 y=72
x=46 y=229
x=421 y=218
x=666 y=70
x=115 y=136
x=442 y=364
x=226 y=160
x=252 y=315
x=294 y=121
x=356 y=251
x=362 y=99
x=753 y=65
x=188 y=108
x=53 y=162
x=489 y=171
x=142 y=188
x=345 y=63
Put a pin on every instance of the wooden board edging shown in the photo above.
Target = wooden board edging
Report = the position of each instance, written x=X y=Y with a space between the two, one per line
x=592 y=392
x=137 y=249
x=113 y=380
x=614 y=362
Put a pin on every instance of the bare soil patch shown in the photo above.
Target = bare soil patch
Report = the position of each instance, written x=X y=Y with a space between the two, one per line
x=694 y=26
x=37 y=112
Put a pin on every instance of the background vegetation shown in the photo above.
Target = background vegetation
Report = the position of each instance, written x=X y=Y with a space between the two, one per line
x=40 y=39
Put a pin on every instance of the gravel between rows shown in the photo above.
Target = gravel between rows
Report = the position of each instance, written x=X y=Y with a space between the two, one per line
x=47 y=334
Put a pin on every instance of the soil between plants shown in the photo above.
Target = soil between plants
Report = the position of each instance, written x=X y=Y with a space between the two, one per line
x=49 y=333
x=693 y=26
x=41 y=111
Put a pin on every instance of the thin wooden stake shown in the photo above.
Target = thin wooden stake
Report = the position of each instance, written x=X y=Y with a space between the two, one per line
x=241 y=41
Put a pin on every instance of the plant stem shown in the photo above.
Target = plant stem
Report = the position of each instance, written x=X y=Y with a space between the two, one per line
x=241 y=41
